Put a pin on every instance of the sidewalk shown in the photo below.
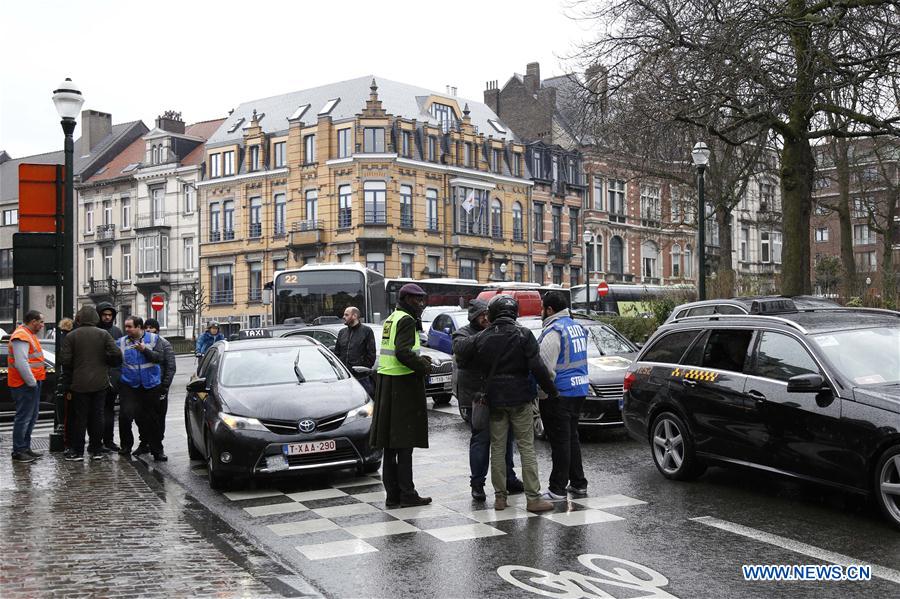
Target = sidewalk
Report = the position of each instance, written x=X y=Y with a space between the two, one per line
x=110 y=528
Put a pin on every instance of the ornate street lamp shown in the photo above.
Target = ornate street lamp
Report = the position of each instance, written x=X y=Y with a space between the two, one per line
x=68 y=100
x=700 y=155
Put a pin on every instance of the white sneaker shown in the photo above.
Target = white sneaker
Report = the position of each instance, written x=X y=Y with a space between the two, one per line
x=549 y=495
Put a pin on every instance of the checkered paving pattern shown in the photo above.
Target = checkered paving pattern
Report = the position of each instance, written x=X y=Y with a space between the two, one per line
x=349 y=517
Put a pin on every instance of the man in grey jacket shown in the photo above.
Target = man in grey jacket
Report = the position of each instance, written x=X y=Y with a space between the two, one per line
x=168 y=373
x=86 y=355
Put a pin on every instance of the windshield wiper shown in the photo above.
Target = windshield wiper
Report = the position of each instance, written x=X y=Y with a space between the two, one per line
x=300 y=377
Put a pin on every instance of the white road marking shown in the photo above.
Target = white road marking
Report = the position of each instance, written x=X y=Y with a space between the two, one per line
x=798 y=547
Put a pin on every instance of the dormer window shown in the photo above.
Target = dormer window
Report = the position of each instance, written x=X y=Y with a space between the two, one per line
x=301 y=110
x=329 y=106
x=236 y=124
x=444 y=114
x=254 y=158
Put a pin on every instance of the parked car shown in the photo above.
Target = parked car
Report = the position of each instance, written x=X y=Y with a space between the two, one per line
x=48 y=389
x=742 y=305
x=438 y=385
x=267 y=407
x=609 y=355
x=440 y=335
x=813 y=394
x=430 y=312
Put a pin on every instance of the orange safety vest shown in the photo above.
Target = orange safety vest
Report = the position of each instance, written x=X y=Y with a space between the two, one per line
x=35 y=358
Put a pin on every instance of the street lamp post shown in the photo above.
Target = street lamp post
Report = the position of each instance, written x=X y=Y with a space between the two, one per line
x=68 y=100
x=700 y=155
x=586 y=237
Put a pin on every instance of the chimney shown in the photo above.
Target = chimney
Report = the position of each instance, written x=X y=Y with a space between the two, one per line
x=533 y=76
x=95 y=125
x=492 y=96
x=170 y=121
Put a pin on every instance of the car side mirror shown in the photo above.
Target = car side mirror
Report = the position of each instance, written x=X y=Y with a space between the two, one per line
x=361 y=372
x=197 y=385
x=805 y=383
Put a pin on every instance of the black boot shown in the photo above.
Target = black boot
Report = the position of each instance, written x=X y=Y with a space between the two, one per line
x=478 y=493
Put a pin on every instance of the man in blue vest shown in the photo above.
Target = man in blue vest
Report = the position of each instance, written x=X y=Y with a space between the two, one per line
x=564 y=351
x=140 y=387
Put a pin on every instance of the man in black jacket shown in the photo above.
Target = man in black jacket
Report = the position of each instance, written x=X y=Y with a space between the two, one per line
x=468 y=382
x=107 y=314
x=168 y=373
x=510 y=394
x=356 y=346
x=86 y=356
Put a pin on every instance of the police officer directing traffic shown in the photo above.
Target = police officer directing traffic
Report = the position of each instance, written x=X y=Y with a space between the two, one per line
x=564 y=351
x=400 y=419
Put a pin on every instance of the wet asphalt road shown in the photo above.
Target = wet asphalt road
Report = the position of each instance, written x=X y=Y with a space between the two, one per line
x=687 y=539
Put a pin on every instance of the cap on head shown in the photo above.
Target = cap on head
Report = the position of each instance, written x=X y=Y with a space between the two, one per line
x=411 y=289
x=477 y=307
x=212 y=324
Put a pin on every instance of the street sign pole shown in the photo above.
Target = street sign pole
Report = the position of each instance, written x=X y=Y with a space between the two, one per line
x=68 y=125
x=60 y=245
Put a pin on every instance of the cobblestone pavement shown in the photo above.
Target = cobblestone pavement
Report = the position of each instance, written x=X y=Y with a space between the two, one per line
x=109 y=528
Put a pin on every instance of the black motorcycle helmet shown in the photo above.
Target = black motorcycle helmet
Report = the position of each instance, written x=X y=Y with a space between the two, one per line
x=503 y=305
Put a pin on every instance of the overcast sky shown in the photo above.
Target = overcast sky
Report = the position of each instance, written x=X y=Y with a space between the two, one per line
x=203 y=58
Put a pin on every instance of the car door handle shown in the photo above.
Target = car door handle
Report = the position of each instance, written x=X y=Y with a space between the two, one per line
x=756 y=395
x=689 y=382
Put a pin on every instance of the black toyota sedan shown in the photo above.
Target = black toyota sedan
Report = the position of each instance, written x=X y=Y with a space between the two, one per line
x=269 y=407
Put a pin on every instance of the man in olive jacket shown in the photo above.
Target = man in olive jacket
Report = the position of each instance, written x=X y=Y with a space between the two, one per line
x=400 y=418
x=86 y=355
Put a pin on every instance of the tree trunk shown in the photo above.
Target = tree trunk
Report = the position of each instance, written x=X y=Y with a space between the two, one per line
x=845 y=224
x=725 y=273
x=797 y=169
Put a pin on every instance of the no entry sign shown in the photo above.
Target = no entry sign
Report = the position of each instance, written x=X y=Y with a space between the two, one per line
x=603 y=289
x=157 y=302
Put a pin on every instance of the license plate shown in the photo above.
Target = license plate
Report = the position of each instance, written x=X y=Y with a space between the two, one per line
x=274 y=463
x=437 y=380
x=310 y=447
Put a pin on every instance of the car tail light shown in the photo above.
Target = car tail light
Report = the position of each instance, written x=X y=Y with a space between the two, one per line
x=629 y=379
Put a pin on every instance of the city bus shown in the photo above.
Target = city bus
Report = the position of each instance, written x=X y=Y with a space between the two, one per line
x=625 y=300
x=319 y=293
x=439 y=292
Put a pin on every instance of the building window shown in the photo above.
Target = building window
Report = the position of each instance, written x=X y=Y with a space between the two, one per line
x=254 y=158
x=594 y=249
x=866 y=262
x=107 y=253
x=309 y=149
x=373 y=140
x=88 y=218
x=406 y=143
x=649 y=256
x=556 y=223
x=557 y=274
x=765 y=248
x=153 y=254
x=126 y=213
x=467 y=154
x=496 y=219
x=515 y=164
x=312 y=206
x=255 y=284
x=468 y=269
x=432 y=148
x=375 y=202
x=776 y=247
x=863 y=235
x=280 y=209
x=538 y=222
x=406 y=265
x=215 y=233
x=222 y=285
x=107 y=213
x=228 y=163
x=10 y=217
x=158 y=206
x=375 y=261
x=344 y=147
x=519 y=272
x=539 y=273
x=190 y=198
x=228 y=220
x=676 y=261
x=677 y=206
x=255 y=217
x=821 y=234
x=688 y=262
x=279 y=153
x=573 y=226
x=518 y=230
x=554 y=167
x=406 y=207
x=650 y=208
x=188 y=251
x=126 y=261
x=6 y=264
x=616 y=255
x=345 y=207
x=537 y=166
x=279 y=264
x=434 y=264
x=598 y=193
x=89 y=263
x=431 y=209
x=495 y=160
x=472 y=211
x=444 y=115
x=745 y=244
x=215 y=166
x=767 y=197
x=615 y=194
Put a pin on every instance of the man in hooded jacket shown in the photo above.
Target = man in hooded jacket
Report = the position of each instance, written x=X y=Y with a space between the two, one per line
x=400 y=417
x=107 y=322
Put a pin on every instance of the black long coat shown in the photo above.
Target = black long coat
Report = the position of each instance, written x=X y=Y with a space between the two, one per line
x=400 y=419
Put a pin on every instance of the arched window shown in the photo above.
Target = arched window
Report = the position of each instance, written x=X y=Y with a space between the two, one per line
x=676 y=261
x=594 y=257
x=154 y=155
x=688 y=262
x=649 y=259
x=518 y=232
x=496 y=219
x=616 y=255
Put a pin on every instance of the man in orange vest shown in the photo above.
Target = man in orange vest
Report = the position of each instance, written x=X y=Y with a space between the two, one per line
x=25 y=376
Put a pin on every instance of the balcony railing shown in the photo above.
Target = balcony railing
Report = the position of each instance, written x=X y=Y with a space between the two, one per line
x=255 y=230
x=431 y=223
x=278 y=230
x=150 y=221
x=497 y=232
x=406 y=219
x=222 y=296
x=518 y=234
x=306 y=232
x=254 y=295
x=215 y=236
x=227 y=234
x=108 y=286
x=375 y=216
x=345 y=218
x=106 y=232
x=561 y=249
x=307 y=225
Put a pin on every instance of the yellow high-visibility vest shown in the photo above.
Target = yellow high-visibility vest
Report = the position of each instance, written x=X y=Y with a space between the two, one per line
x=387 y=360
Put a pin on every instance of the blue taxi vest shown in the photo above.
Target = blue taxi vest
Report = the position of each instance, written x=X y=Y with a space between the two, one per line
x=137 y=370
x=571 y=365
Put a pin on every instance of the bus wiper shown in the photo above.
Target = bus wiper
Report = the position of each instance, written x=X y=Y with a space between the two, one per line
x=300 y=377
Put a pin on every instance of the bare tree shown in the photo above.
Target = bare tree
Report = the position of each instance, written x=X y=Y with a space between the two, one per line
x=740 y=68
x=194 y=301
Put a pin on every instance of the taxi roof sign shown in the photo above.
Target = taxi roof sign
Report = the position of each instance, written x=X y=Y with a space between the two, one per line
x=254 y=334
x=772 y=306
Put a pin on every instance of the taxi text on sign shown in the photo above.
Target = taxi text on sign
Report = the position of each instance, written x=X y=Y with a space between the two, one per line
x=40 y=188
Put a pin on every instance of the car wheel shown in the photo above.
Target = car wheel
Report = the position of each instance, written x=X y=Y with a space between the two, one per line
x=193 y=452
x=673 y=448
x=887 y=484
x=442 y=400
x=216 y=479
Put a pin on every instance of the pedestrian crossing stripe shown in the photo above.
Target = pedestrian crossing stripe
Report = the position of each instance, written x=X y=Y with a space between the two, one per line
x=696 y=375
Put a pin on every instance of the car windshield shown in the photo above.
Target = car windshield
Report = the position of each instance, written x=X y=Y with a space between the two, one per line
x=865 y=356
x=605 y=342
x=275 y=366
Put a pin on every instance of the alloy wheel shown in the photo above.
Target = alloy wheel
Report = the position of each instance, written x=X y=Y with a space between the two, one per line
x=668 y=446
x=889 y=486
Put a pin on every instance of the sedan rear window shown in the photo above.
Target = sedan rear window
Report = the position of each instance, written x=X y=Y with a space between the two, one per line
x=275 y=366
x=668 y=349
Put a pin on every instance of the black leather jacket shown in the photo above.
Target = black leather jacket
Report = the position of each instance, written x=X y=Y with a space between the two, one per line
x=356 y=346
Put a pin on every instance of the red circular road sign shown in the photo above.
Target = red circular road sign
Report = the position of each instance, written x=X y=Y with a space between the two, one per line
x=157 y=302
x=603 y=289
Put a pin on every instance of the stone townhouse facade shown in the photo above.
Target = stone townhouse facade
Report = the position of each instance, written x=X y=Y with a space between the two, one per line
x=139 y=230
x=408 y=181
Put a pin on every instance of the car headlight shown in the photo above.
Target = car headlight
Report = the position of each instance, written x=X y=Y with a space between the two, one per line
x=240 y=423
x=363 y=411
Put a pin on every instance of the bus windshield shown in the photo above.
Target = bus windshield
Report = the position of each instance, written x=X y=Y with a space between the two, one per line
x=308 y=295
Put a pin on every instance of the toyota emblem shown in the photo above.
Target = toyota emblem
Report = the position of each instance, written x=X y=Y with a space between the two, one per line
x=306 y=425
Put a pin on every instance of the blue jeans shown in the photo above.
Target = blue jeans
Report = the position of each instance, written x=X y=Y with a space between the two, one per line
x=28 y=405
x=480 y=454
